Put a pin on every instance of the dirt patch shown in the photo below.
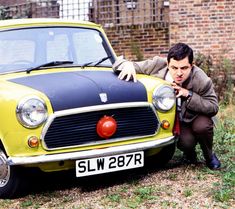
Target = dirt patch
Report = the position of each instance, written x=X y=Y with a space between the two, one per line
x=177 y=186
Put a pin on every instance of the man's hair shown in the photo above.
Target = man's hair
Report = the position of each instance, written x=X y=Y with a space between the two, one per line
x=179 y=51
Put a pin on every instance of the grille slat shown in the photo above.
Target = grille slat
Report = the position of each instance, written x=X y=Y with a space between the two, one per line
x=65 y=132
x=80 y=128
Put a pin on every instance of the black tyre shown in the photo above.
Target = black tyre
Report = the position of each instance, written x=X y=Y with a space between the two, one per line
x=163 y=157
x=10 y=178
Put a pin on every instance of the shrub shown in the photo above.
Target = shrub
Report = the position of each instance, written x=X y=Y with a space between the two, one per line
x=221 y=75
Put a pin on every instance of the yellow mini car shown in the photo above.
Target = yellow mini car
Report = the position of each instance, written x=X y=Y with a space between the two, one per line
x=62 y=107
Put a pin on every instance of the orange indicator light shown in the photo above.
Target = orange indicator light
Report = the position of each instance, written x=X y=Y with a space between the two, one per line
x=33 y=141
x=165 y=124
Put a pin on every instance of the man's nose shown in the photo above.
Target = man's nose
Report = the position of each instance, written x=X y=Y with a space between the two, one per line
x=179 y=72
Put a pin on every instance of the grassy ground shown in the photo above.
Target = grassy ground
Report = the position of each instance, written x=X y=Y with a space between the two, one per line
x=176 y=186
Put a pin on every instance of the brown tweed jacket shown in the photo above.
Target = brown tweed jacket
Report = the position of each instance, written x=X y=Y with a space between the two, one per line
x=203 y=101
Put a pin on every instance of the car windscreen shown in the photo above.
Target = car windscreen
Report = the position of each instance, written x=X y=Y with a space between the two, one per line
x=29 y=47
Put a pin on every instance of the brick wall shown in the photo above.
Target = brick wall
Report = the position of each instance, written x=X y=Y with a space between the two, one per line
x=11 y=2
x=208 y=26
x=138 y=42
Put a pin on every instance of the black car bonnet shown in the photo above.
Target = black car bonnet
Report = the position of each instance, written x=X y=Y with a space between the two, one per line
x=67 y=90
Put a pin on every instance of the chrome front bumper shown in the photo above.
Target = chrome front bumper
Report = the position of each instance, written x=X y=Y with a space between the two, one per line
x=91 y=153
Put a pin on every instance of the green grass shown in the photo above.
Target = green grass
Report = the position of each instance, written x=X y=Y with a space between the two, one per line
x=114 y=197
x=26 y=203
x=144 y=193
x=135 y=198
x=224 y=145
x=188 y=192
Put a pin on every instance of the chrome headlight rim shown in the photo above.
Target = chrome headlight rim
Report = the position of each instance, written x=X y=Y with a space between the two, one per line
x=155 y=97
x=19 y=112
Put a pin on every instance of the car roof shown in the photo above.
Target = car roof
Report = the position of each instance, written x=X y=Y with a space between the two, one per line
x=44 y=21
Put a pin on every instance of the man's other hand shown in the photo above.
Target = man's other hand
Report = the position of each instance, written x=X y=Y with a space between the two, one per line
x=180 y=91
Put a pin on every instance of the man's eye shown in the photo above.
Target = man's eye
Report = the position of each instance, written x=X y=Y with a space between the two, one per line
x=185 y=68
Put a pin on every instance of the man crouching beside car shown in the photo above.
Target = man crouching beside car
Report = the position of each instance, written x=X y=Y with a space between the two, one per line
x=196 y=98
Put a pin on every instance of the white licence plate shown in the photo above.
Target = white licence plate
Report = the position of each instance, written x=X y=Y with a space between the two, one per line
x=108 y=164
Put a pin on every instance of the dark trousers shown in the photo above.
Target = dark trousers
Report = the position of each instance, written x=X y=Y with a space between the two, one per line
x=200 y=130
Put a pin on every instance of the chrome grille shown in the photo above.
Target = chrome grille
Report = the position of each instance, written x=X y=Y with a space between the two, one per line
x=80 y=128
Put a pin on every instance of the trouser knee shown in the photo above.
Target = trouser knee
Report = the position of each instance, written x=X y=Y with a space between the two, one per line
x=186 y=145
x=202 y=126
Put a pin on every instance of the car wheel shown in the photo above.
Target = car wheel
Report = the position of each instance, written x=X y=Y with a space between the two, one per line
x=10 y=178
x=162 y=157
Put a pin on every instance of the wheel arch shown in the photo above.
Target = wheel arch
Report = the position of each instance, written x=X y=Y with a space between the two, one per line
x=2 y=147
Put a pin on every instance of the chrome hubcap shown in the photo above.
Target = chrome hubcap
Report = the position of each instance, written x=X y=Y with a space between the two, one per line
x=4 y=170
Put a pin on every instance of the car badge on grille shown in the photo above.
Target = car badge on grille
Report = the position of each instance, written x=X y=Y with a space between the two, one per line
x=103 y=97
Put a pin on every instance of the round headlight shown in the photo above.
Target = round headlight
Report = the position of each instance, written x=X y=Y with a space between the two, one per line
x=31 y=112
x=164 y=98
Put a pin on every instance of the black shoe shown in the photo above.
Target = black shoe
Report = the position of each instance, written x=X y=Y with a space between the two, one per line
x=214 y=163
x=189 y=158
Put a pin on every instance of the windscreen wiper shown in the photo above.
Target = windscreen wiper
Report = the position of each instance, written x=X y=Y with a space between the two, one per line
x=49 y=64
x=97 y=62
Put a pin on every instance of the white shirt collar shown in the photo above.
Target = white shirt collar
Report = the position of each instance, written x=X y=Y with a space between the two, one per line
x=168 y=77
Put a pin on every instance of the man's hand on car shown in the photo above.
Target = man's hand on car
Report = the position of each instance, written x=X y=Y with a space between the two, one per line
x=127 y=71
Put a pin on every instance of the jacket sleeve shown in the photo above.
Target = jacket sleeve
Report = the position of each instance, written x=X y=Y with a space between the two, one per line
x=149 y=66
x=204 y=99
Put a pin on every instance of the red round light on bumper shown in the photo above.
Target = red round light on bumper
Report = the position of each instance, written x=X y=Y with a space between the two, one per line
x=106 y=127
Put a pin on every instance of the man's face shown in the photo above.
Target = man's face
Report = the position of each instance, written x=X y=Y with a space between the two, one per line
x=179 y=70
